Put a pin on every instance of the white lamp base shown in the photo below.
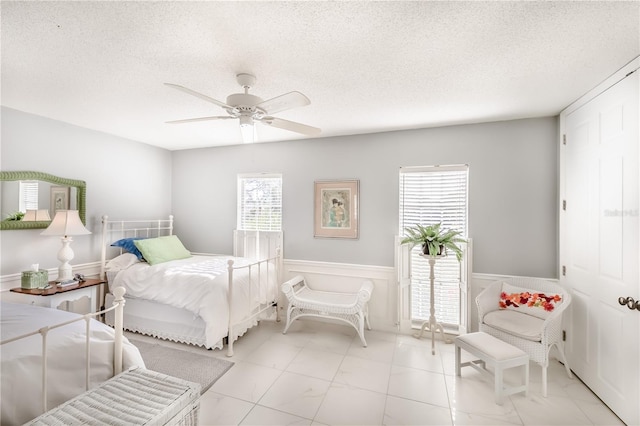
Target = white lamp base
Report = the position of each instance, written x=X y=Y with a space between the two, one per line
x=65 y=255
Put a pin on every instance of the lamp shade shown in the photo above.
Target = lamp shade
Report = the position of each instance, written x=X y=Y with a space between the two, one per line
x=36 y=215
x=66 y=222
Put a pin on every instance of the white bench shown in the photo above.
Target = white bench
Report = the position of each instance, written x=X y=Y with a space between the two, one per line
x=497 y=354
x=348 y=307
x=134 y=397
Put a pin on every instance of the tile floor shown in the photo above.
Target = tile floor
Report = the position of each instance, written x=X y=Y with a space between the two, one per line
x=319 y=374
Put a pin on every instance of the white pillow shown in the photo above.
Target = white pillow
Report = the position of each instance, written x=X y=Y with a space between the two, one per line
x=122 y=261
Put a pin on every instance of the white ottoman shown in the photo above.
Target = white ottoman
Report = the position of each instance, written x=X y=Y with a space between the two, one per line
x=497 y=354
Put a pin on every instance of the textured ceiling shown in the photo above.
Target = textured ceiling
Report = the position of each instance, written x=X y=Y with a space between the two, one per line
x=365 y=66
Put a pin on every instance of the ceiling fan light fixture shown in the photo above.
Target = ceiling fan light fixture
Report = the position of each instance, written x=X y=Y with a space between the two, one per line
x=246 y=128
x=249 y=109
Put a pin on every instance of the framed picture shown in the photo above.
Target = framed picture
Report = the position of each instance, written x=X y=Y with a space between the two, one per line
x=336 y=209
x=59 y=199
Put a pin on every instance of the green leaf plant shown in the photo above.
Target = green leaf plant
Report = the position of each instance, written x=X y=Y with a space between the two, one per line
x=15 y=216
x=434 y=239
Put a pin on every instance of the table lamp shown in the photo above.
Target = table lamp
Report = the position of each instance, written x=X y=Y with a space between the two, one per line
x=66 y=223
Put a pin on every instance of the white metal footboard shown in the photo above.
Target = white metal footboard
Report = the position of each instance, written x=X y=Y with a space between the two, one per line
x=118 y=306
x=253 y=311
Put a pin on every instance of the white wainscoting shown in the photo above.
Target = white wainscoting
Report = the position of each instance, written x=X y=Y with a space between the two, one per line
x=9 y=281
x=383 y=311
x=383 y=306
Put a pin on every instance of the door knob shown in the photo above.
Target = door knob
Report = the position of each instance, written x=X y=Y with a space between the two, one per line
x=629 y=302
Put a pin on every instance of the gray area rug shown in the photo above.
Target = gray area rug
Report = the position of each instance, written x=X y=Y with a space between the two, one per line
x=183 y=364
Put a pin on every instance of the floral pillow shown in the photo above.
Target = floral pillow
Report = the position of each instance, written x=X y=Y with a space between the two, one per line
x=531 y=302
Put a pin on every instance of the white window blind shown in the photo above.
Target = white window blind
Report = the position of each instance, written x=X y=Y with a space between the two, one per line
x=28 y=195
x=260 y=202
x=429 y=195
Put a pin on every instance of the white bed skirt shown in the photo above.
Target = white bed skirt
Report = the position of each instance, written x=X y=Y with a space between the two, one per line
x=170 y=323
x=162 y=321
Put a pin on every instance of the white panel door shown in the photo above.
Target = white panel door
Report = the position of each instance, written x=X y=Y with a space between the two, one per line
x=599 y=244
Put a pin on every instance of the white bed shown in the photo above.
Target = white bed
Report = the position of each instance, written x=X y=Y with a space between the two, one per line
x=26 y=330
x=190 y=300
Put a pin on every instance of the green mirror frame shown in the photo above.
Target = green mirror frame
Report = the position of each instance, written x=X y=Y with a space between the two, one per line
x=81 y=195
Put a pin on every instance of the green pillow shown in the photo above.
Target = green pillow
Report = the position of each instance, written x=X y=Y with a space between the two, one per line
x=162 y=249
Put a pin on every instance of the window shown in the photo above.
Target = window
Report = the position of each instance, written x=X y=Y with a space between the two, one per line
x=430 y=195
x=28 y=195
x=260 y=202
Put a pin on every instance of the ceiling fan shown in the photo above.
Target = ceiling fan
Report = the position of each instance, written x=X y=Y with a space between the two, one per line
x=250 y=109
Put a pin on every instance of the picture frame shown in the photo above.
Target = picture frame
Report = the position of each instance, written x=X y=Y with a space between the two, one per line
x=59 y=199
x=336 y=207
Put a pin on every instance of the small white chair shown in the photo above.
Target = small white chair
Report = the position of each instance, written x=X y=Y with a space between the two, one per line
x=523 y=321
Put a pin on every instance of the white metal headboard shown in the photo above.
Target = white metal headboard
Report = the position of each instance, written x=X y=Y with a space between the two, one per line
x=251 y=244
x=113 y=230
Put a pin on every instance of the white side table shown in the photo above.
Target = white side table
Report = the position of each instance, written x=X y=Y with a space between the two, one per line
x=432 y=325
x=55 y=296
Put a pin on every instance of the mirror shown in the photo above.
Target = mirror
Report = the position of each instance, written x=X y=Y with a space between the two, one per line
x=47 y=184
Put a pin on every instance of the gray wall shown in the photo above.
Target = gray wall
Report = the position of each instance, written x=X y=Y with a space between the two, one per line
x=512 y=191
x=124 y=179
x=513 y=188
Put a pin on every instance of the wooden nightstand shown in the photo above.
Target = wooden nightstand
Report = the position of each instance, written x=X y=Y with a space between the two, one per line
x=54 y=296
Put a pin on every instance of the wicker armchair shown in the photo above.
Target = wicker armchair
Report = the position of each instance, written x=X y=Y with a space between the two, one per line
x=523 y=320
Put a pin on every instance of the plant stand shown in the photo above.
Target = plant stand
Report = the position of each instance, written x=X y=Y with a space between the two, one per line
x=432 y=325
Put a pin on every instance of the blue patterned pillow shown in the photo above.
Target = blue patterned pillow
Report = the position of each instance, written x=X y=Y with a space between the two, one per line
x=128 y=245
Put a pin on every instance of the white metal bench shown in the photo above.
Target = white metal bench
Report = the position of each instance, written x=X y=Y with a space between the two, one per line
x=497 y=354
x=348 y=307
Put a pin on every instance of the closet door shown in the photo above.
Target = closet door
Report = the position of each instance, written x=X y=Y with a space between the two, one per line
x=599 y=243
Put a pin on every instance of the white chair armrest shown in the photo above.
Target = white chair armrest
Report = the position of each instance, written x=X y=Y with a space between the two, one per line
x=290 y=287
x=552 y=327
x=364 y=294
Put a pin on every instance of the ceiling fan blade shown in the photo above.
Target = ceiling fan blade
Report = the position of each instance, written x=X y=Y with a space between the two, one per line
x=198 y=95
x=291 y=126
x=284 y=102
x=190 y=120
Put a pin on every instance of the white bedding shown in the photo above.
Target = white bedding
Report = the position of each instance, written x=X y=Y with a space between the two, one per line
x=21 y=382
x=199 y=284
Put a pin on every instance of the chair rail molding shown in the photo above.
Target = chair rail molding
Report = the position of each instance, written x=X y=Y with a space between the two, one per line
x=9 y=281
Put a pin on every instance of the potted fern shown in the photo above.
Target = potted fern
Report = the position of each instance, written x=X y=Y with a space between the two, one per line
x=435 y=240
